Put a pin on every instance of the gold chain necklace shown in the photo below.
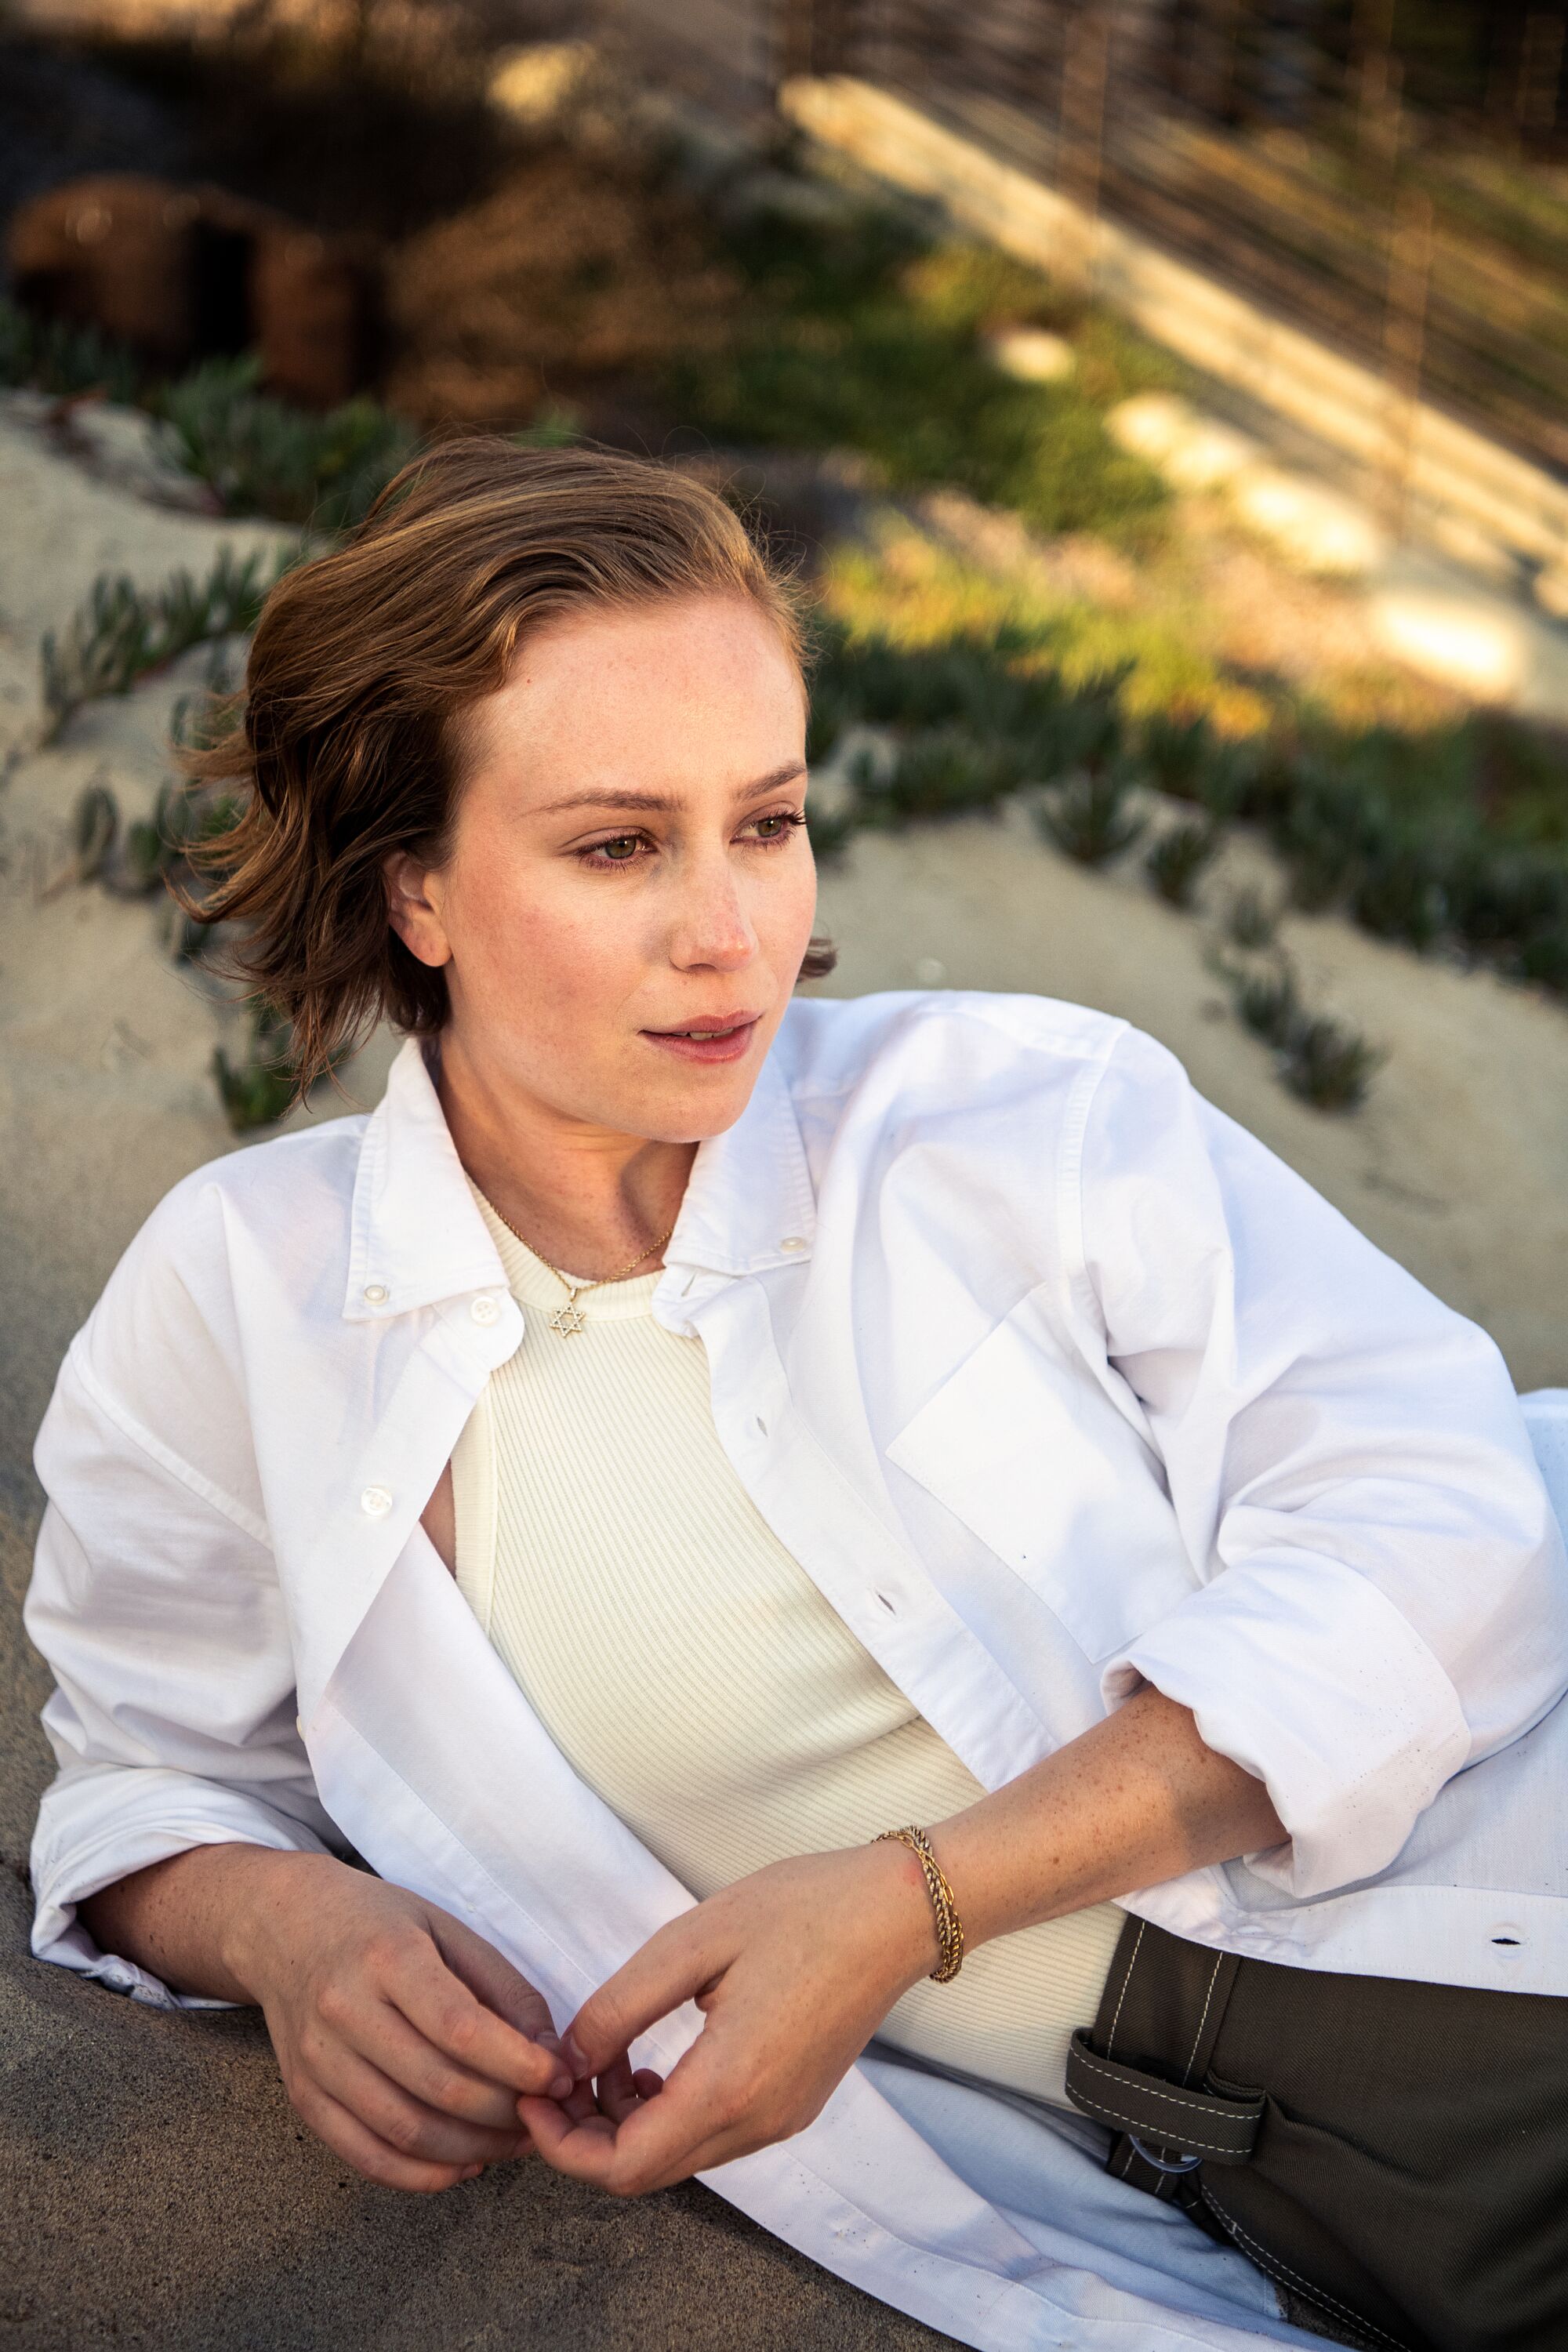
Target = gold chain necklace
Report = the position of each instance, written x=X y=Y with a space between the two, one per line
x=568 y=1321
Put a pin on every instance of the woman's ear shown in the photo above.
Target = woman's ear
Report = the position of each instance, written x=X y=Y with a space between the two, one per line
x=413 y=907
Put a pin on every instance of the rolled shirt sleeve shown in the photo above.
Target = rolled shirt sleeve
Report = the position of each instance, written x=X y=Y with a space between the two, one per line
x=1381 y=1579
x=155 y=1602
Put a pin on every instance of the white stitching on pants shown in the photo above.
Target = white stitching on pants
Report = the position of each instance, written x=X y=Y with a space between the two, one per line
x=1110 y=2038
x=1198 y=2036
x=1267 y=2262
x=1213 y=2112
x=1183 y=2139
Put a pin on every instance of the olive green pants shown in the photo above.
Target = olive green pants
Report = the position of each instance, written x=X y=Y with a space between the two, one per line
x=1393 y=2155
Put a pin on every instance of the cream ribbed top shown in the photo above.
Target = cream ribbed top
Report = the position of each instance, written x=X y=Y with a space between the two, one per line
x=690 y=1672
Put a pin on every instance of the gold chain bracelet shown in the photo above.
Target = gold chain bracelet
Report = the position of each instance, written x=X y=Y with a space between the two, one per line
x=949 y=1926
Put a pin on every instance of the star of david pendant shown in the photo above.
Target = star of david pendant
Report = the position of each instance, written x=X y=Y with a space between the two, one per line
x=568 y=1319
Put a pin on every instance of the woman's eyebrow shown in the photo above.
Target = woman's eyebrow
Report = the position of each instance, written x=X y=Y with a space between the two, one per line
x=663 y=804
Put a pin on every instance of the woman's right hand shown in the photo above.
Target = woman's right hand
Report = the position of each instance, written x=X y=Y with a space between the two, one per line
x=403 y=2038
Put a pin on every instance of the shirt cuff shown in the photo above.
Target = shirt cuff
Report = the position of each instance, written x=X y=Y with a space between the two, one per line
x=1302 y=1672
x=67 y=1880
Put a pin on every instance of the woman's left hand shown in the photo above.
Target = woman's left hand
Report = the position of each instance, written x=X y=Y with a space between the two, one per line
x=794 y=1969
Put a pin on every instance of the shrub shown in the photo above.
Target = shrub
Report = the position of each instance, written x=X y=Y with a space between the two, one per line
x=257 y=1090
x=1177 y=753
x=1329 y=1066
x=1267 y=1005
x=107 y=646
x=261 y=1087
x=146 y=861
x=1318 y=1058
x=54 y=357
x=1399 y=895
x=1543 y=958
x=1190 y=761
x=1088 y=815
x=944 y=772
x=969 y=683
x=1178 y=859
x=124 y=632
x=187 y=936
x=94 y=827
x=1250 y=923
x=1316 y=841
x=261 y=455
x=1510 y=906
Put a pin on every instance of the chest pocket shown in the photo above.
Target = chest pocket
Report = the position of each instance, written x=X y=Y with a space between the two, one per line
x=1034 y=1458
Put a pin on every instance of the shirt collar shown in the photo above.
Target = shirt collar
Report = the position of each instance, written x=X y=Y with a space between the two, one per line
x=418 y=1236
x=749 y=1203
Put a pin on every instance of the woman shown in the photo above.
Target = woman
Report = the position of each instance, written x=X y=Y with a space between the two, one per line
x=917 y=1415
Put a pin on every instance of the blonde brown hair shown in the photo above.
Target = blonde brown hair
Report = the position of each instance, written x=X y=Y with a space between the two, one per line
x=346 y=745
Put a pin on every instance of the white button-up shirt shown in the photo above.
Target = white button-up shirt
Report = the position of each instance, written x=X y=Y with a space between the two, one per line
x=1050 y=1377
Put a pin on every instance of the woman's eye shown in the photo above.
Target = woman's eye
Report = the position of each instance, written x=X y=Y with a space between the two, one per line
x=776 y=827
x=620 y=851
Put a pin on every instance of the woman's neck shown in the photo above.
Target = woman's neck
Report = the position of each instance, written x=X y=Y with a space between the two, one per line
x=581 y=1196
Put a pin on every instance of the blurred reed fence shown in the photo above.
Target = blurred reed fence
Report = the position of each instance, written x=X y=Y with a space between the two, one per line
x=1385 y=180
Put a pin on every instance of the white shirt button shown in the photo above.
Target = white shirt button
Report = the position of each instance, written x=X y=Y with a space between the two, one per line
x=376 y=1294
x=377 y=1501
x=486 y=1311
x=792 y=1241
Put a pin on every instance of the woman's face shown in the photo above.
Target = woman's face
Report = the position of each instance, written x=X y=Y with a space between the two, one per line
x=630 y=888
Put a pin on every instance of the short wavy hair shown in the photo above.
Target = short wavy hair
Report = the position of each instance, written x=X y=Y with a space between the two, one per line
x=346 y=742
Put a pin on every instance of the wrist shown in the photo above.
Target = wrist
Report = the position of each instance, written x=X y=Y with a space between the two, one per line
x=263 y=1907
x=904 y=1905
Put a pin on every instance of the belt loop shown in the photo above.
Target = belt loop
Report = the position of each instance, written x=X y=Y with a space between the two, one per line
x=1171 y=2121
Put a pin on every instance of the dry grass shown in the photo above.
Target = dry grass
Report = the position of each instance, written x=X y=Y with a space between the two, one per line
x=564 y=276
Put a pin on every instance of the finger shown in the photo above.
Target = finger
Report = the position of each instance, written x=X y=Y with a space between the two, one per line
x=358 y=2147
x=672 y=1967
x=611 y=2156
x=617 y=2088
x=407 y=2125
x=490 y=1975
x=382 y=2035
x=440 y=2005
x=579 y=2103
x=693 y=2122
x=581 y=2146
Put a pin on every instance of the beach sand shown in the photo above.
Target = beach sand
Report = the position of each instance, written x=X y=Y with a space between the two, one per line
x=155 y=2188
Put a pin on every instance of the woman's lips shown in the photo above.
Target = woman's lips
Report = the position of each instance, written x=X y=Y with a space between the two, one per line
x=728 y=1042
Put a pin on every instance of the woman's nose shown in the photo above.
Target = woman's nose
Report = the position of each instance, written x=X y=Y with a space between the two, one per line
x=712 y=927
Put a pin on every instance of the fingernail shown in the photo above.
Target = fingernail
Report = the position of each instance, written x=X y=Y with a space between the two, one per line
x=561 y=2082
x=575 y=2060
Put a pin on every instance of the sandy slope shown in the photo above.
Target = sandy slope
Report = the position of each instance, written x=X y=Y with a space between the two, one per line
x=166 y=2143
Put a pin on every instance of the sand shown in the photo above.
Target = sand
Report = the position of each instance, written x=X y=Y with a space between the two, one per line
x=155 y=2187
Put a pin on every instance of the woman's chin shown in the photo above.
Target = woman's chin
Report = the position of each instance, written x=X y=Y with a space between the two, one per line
x=692 y=1103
